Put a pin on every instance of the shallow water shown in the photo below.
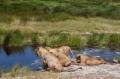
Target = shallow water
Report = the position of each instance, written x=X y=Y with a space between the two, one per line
x=25 y=56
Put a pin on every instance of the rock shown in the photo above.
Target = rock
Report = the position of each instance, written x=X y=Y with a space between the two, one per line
x=115 y=61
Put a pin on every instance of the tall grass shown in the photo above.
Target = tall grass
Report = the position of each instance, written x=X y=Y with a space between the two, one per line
x=118 y=59
x=0 y=73
x=16 y=70
x=114 y=39
x=56 y=10
x=104 y=39
x=57 y=38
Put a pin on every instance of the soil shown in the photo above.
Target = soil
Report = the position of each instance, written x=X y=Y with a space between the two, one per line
x=104 y=71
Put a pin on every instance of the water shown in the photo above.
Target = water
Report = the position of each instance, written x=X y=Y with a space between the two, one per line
x=25 y=56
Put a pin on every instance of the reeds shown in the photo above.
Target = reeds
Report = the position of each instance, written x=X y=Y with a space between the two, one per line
x=16 y=70
x=0 y=73
x=114 y=39
x=57 y=38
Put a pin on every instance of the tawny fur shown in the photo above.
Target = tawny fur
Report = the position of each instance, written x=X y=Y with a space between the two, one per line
x=64 y=60
x=63 y=49
x=85 y=60
x=50 y=60
x=95 y=61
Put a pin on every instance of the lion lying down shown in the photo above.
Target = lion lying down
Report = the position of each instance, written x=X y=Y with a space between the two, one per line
x=50 y=60
x=85 y=60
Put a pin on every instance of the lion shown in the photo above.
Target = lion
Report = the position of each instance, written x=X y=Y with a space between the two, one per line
x=50 y=61
x=63 y=49
x=64 y=60
x=95 y=61
x=85 y=60
x=81 y=58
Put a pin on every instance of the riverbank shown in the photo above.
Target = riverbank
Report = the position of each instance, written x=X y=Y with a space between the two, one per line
x=79 y=32
x=105 y=71
x=56 y=23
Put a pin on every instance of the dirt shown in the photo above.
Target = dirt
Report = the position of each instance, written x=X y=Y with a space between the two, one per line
x=104 y=71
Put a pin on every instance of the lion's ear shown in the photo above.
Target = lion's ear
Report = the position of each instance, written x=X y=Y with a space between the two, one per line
x=78 y=57
x=37 y=48
x=47 y=48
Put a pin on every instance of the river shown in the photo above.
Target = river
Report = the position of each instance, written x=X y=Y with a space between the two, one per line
x=25 y=55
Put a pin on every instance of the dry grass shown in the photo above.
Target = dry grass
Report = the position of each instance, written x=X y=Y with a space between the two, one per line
x=53 y=75
x=77 y=26
x=35 y=75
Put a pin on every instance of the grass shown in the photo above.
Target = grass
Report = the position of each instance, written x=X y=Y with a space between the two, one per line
x=16 y=70
x=70 y=22
x=69 y=32
x=0 y=73
x=24 y=73
x=77 y=26
x=56 y=10
x=118 y=59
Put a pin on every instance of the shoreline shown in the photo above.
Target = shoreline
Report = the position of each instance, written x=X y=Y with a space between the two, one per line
x=96 y=72
x=103 y=71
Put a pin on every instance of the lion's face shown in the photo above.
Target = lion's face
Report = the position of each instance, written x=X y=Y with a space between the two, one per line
x=78 y=58
x=37 y=51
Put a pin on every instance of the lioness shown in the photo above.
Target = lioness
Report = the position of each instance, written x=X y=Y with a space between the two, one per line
x=64 y=60
x=63 y=49
x=81 y=58
x=95 y=61
x=85 y=60
x=50 y=60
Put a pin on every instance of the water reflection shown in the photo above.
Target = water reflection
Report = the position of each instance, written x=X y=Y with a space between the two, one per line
x=22 y=55
x=13 y=50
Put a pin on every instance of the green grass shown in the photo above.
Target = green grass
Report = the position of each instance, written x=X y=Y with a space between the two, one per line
x=114 y=39
x=16 y=70
x=0 y=73
x=26 y=22
x=59 y=38
x=118 y=59
x=56 y=10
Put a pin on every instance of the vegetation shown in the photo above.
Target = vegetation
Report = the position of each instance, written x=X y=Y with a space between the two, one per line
x=118 y=59
x=59 y=22
x=55 y=38
x=16 y=70
x=24 y=73
x=0 y=73
x=56 y=10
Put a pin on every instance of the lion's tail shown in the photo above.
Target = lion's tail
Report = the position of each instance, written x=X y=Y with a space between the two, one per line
x=71 y=69
x=72 y=53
